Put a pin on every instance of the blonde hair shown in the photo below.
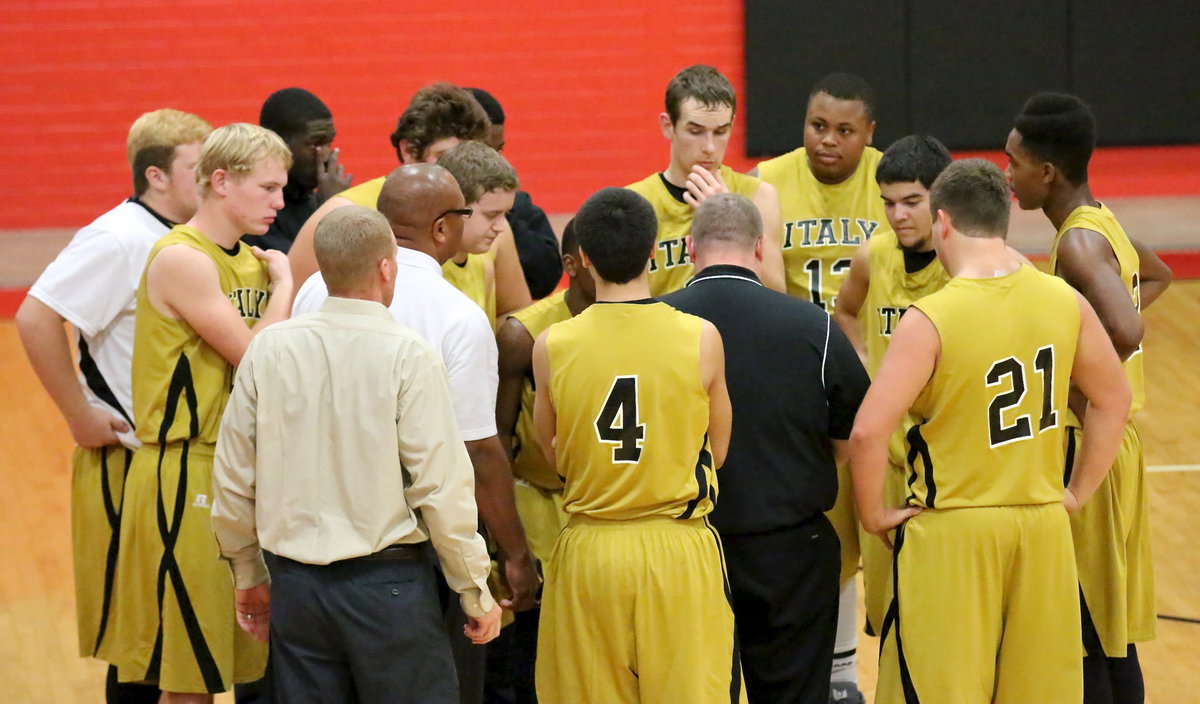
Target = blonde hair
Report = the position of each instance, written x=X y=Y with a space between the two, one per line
x=349 y=242
x=238 y=148
x=153 y=138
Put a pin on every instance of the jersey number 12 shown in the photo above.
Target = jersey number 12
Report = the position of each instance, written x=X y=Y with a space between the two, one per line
x=618 y=424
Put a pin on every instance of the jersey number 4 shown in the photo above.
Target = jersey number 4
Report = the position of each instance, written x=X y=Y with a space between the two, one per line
x=1021 y=428
x=618 y=424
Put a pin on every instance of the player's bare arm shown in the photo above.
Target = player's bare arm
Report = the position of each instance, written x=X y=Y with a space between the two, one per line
x=1098 y=374
x=1087 y=262
x=301 y=258
x=850 y=298
x=906 y=367
x=720 y=410
x=182 y=283
x=512 y=293
x=545 y=419
x=1154 y=276
x=767 y=200
x=841 y=451
x=515 y=346
x=49 y=352
x=498 y=511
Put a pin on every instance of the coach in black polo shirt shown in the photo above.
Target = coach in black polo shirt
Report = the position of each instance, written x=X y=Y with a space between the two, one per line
x=795 y=383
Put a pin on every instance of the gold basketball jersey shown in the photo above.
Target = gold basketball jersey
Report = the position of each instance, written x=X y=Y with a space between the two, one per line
x=471 y=278
x=365 y=194
x=1102 y=221
x=823 y=224
x=890 y=292
x=632 y=435
x=180 y=383
x=671 y=267
x=529 y=462
x=990 y=421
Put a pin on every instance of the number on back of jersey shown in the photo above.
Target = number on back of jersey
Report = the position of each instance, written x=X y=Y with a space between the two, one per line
x=1021 y=427
x=618 y=423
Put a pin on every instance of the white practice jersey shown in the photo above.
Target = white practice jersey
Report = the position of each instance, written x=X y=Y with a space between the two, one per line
x=92 y=284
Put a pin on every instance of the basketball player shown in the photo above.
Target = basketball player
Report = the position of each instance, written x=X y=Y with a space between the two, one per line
x=636 y=605
x=437 y=119
x=830 y=205
x=489 y=185
x=91 y=284
x=887 y=274
x=306 y=125
x=202 y=298
x=698 y=122
x=538 y=488
x=1048 y=152
x=537 y=245
x=984 y=595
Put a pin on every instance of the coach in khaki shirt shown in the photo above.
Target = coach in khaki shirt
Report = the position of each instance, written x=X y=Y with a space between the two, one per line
x=339 y=460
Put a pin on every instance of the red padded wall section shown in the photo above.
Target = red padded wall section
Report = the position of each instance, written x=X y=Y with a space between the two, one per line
x=582 y=83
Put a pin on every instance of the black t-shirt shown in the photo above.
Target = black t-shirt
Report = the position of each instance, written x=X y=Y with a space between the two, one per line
x=794 y=381
x=537 y=246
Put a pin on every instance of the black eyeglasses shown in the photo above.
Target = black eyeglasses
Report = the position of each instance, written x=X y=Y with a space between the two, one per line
x=465 y=212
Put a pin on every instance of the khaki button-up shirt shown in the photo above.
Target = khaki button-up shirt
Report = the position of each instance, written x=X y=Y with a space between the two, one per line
x=339 y=440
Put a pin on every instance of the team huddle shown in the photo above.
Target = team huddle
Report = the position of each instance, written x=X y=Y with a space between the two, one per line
x=360 y=423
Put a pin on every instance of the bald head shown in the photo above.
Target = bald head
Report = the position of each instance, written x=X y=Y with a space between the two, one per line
x=414 y=199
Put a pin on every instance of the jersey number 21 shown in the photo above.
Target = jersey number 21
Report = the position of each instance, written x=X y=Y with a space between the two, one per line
x=1021 y=428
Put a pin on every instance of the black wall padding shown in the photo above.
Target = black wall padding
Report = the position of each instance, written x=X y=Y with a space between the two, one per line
x=961 y=70
x=796 y=43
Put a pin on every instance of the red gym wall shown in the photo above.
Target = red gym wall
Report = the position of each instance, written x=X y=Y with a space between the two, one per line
x=582 y=84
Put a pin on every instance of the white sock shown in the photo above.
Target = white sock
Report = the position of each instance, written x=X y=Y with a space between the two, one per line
x=845 y=663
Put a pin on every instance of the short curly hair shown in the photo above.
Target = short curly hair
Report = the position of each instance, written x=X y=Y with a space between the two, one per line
x=436 y=112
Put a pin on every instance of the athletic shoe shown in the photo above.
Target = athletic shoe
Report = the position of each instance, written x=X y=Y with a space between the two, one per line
x=845 y=693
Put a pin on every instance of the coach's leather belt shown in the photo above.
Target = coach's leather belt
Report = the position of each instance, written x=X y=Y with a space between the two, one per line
x=399 y=551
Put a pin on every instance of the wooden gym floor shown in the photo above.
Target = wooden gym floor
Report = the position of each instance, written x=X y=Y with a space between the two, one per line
x=38 y=661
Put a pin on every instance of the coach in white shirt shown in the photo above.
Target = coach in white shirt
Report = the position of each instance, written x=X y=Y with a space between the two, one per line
x=91 y=285
x=426 y=210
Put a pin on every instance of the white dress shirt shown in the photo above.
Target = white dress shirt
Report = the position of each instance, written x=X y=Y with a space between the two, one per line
x=453 y=324
x=339 y=440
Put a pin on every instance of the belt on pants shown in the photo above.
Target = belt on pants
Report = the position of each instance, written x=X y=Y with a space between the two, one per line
x=399 y=551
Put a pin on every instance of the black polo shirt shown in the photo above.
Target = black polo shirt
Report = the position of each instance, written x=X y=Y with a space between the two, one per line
x=794 y=381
